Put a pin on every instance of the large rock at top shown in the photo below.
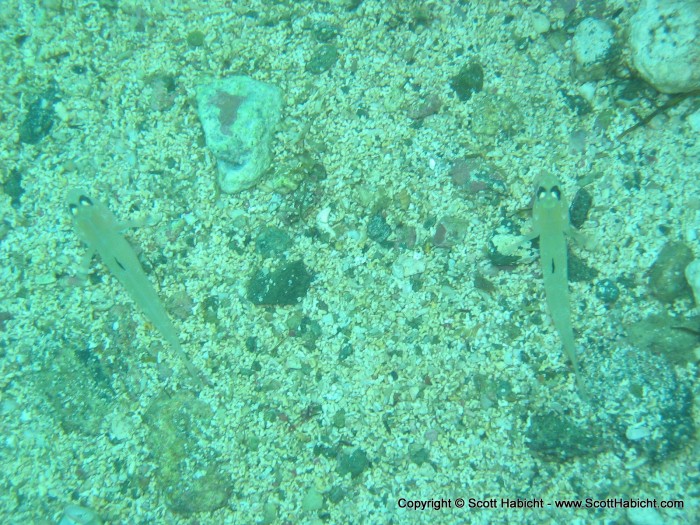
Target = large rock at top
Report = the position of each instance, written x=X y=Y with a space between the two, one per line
x=665 y=44
x=239 y=116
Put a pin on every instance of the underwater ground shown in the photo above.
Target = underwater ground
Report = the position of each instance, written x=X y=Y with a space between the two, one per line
x=370 y=345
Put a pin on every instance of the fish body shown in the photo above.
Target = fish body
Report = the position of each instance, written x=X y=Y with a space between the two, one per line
x=550 y=222
x=100 y=230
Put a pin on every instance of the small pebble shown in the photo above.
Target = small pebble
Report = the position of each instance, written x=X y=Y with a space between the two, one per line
x=354 y=463
x=694 y=121
x=76 y=515
x=39 y=119
x=540 y=23
x=336 y=494
x=607 y=291
x=475 y=175
x=195 y=38
x=313 y=500
x=408 y=264
x=378 y=229
x=595 y=50
x=645 y=516
x=322 y=60
x=579 y=208
x=12 y=187
x=593 y=41
x=692 y=275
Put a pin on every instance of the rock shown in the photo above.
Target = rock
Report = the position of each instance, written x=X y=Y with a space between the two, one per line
x=313 y=500
x=418 y=454
x=12 y=187
x=188 y=471
x=540 y=22
x=634 y=388
x=407 y=265
x=272 y=241
x=76 y=515
x=325 y=32
x=270 y=513
x=322 y=60
x=378 y=229
x=195 y=38
x=468 y=80
x=673 y=337
x=430 y=105
x=475 y=175
x=607 y=291
x=579 y=208
x=337 y=494
x=40 y=117
x=559 y=438
x=664 y=40
x=496 y=114
x=666 y=276
x=645 y=516
x=285 y=286
x=354 y=463
x=694 y=122
x=595 y=49
x=239 y=116
x=692 y=275
x=450 y=231
x=503 y=249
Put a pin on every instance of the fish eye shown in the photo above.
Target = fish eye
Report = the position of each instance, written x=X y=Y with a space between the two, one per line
x=541 y=193
x=555 y=192
x=73 y=209
x=85 y=201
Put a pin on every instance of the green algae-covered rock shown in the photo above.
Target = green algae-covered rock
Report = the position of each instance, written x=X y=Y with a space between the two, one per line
x=188 y=470
x=284 y=286
x=560 y=438
x=354 y=463
x=469 y=80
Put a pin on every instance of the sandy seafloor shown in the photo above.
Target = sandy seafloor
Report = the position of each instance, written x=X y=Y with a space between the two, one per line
x=433 y=379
